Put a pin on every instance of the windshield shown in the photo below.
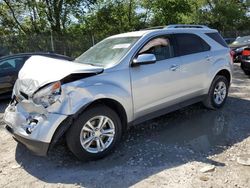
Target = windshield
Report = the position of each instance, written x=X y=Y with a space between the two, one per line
x=107 y=52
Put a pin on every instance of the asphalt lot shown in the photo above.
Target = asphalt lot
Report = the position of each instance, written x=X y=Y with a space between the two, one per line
x=165 y=152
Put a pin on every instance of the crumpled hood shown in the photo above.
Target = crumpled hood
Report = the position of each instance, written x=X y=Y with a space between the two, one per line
x=39 y=71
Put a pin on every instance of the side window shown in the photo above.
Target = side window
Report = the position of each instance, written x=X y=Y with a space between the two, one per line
x=11 y=64
x=190 y=44
x=161 y=47
x=218 y=38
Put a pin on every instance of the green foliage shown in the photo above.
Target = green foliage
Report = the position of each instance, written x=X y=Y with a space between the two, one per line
x=112 y=17
x=225 y=15
x=167 y=12
x=74 y=25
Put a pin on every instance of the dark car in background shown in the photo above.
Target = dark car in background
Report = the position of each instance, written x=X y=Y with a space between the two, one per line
x=229 y=40
x=245 y=61
x=10 y=66
x=238 y=46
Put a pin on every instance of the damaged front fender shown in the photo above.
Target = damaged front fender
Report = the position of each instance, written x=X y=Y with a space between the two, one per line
x=75 y=98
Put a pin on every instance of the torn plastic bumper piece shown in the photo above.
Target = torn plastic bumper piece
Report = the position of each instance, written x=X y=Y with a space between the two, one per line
x=34 y=130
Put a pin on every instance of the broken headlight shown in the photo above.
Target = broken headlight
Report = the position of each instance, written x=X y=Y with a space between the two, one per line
x=48 y=95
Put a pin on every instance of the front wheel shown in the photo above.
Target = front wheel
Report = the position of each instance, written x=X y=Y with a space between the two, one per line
x=95 y=133
x=217 y=94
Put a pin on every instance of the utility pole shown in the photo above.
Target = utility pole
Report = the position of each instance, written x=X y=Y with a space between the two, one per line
x=93 y=39
x=52 y=41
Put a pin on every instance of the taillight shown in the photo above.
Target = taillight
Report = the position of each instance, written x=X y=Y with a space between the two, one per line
x=232 y=53
x=246 y=52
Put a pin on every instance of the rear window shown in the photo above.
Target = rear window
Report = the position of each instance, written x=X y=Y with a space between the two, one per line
x=217 y=37
x=190 y=43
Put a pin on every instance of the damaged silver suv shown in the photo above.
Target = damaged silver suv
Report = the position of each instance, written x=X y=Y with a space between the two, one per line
x=123 y=80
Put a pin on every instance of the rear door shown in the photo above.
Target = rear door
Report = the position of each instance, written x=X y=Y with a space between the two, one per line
x=9 y=69
x=196 y=60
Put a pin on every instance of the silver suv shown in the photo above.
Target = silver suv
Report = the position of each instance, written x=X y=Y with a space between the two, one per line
x=123 y=80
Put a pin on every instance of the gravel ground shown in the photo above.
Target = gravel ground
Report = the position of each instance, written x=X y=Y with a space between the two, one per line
x=168 y=151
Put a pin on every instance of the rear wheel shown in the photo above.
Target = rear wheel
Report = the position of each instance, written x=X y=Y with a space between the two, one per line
x=95 y=133
x=217 y=94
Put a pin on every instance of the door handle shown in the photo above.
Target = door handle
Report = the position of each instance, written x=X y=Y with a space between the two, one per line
x=174 y=67
x=208 y=58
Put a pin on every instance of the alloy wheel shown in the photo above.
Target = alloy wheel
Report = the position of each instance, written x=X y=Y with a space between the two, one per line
x=97 y=134
x=220 y=92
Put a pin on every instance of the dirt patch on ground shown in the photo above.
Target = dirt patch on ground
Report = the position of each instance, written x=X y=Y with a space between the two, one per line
x=169 y=151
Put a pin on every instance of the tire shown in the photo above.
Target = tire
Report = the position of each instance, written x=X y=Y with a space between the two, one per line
x=83 y=137
x=211 y=102
x=247 y=72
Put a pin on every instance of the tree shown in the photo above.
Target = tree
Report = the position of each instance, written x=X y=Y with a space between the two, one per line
x=72 y=26
x=34 y=16
x=165 y=12
x=111 y=17
x=224 y=15
x=36 y=21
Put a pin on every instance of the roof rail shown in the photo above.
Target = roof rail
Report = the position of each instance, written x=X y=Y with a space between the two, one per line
x=186 y=26
x=156 y=27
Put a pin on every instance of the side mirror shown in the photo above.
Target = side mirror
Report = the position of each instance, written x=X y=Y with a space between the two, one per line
x=144 y=59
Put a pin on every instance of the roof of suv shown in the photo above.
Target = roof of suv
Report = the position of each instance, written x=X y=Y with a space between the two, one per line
x=174 y=28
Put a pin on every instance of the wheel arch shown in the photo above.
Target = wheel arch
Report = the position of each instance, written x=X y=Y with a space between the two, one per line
x=114 y=105
x=226 y=73
x=67 y=123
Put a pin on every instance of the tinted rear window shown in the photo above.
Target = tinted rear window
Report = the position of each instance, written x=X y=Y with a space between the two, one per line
x=217 y=37
x=190 y=44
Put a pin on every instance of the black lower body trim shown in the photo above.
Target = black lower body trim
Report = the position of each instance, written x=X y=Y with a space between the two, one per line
x=167 y=110
x=37 y=147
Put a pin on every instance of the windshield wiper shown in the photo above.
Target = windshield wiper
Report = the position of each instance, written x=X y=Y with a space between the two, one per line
x=92 y=64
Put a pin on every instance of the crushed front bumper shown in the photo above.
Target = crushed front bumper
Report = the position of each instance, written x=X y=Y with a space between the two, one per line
x=33 y=129
x=37 y=147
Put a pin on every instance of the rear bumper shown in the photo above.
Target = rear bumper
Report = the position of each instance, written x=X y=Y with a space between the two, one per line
x=37 y=147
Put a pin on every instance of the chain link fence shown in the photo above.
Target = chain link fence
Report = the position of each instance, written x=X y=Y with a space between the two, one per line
x=68 y=45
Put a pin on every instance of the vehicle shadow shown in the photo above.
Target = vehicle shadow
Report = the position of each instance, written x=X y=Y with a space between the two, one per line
x=3 y=105
x=190 y=134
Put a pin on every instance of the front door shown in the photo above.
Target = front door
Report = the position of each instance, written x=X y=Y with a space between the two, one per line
x=156 y=86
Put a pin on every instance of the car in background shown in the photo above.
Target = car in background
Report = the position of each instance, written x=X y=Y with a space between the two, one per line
x=238 y=46
x=229 y=40
x=245 y=61
x=4 y=51
x=10 y=66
